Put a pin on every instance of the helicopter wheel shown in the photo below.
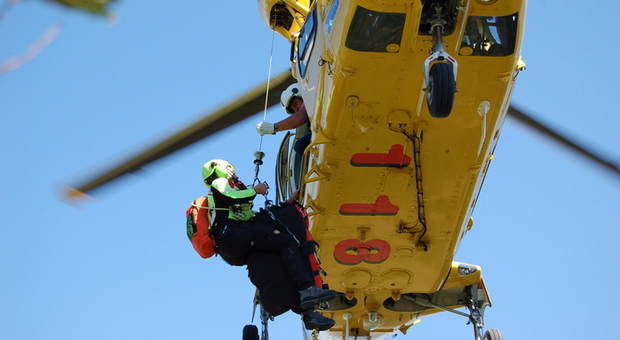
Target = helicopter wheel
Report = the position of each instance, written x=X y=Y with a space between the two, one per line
x=493 y=334
x=250 y=332
x=440 y=90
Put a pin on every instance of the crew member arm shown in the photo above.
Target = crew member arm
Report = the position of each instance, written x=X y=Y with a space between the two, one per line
x=293 y=121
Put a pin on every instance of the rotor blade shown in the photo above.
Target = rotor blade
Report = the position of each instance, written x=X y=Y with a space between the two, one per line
x=241 y=108
x=547 y=131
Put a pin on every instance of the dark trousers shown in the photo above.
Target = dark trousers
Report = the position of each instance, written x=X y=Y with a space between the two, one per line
x=236 y=240
x=302 y=143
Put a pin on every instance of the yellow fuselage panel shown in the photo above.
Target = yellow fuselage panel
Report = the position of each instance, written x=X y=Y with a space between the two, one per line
x=362 y=185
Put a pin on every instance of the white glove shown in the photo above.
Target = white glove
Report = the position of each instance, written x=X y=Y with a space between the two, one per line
x=264 y=128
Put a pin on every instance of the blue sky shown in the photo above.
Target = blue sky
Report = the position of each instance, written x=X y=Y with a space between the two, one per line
x=546 y=231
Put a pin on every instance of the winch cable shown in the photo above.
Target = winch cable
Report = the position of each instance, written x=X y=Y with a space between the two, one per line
x=259 y=155
x=268 y=86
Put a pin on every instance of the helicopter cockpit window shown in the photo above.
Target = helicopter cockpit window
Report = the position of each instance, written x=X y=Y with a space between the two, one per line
x=372 y=31
x=306 y=42
x=490 y=36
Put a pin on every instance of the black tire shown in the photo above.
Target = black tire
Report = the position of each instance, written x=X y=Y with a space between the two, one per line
x=440 y=90
x=493 y=334
x=250 y=332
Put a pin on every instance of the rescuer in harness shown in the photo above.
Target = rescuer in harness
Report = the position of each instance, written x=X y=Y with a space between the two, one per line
x=238 y=235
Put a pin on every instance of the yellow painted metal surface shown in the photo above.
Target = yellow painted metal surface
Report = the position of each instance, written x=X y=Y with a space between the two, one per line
x=390 y=190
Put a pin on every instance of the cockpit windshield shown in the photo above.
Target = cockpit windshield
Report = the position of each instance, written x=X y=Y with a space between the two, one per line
x=490 y=36
x=372 y=31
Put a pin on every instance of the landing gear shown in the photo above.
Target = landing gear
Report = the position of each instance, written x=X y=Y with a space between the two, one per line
x=250 y=332
x=474 y=297
x=493 y=334
x=476 y=316
x=440 y=70
x=440 y=90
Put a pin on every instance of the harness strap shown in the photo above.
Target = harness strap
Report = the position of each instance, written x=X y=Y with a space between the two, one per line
x=273 y=217
x=210 y=208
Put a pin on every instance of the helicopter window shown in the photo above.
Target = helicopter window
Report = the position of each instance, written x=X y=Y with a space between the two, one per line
x=306 y=41
x=329 y=23
x=372 y=31
x=490 y=36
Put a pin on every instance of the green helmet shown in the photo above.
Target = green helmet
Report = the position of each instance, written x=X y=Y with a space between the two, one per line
x=216 y=168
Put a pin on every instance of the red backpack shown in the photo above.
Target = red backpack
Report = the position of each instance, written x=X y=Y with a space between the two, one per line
x=198 y=227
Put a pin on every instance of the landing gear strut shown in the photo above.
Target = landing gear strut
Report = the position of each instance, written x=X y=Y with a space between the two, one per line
x=440 y=71
x=475 y=315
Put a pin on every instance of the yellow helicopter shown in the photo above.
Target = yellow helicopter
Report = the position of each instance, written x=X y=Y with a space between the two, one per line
x=406 y=102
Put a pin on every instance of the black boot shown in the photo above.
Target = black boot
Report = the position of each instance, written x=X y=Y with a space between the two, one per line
x=312 y=295
x=315 y=320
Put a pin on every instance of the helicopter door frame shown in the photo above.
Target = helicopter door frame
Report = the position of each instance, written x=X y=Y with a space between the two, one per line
x=288 y=175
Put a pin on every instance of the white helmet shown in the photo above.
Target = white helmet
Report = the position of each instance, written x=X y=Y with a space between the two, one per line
x=288 y=95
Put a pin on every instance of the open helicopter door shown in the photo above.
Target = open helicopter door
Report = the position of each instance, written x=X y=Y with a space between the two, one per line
x=284 y=176
x=289 y=165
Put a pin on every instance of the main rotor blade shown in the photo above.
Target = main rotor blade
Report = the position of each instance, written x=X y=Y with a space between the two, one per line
x=239 y=109
x=547 y=131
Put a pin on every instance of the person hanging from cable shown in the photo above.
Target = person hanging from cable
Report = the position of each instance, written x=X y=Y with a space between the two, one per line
x=294 y=105
x=238 y=234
